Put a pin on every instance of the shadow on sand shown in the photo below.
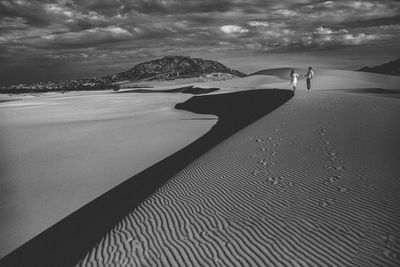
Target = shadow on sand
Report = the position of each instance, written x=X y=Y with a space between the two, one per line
x=66 y=242
x=184 y=90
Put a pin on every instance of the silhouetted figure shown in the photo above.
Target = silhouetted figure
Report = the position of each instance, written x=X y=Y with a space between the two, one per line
x=293 y=79
x=309 y=76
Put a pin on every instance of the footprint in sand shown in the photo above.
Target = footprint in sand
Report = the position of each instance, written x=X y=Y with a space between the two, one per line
x=335 y=178
x=342 y=189
x=270 y=179
x=133 y=243
x=343 y=230
x=332 y=179
x=391 y=244
x=327 y=202
x=338 y=168
x=263 y=162
x=329 y=154
x=255 y=155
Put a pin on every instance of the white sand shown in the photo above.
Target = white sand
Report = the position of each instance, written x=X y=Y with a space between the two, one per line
x=314 y=183
x=58 y=152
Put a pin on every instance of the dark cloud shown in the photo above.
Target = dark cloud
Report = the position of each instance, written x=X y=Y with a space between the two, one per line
x=395 y=20
x=69 y=35
x=31 y=11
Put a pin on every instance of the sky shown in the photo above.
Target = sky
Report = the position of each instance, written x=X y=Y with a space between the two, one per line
x=70 y=39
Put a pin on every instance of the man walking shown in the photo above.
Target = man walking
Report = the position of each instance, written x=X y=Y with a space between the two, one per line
x=309 y=76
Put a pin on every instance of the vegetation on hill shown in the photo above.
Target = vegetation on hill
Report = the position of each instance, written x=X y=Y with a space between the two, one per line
x=171 y=68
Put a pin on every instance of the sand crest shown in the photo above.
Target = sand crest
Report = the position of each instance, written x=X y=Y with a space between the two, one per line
x=314 y=183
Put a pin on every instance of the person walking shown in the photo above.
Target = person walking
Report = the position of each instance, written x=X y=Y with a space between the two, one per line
x=309 y=76
x=293 y=79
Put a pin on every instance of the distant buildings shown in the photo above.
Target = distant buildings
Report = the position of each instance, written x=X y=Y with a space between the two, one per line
x=66 y=85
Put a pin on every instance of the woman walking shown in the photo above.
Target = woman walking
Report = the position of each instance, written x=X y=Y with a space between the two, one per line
x=293 y=79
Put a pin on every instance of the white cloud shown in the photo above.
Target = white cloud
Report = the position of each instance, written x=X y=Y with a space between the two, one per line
x=138 y=30
x=115 y=30
x=57 y=10
x=232 y=29
x=21 y=2
x=329 y=4
x=94 y=35
x=259 y=23
x=358 y=39
x=363 y=5
x=323 y=30
x=286 y=13
x=182 y=24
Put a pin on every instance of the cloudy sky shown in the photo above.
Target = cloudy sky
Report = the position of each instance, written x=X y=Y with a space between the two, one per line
x=50 y=40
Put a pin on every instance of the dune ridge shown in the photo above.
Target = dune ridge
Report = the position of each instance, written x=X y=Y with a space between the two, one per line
x=303 y=186
x=325 y=79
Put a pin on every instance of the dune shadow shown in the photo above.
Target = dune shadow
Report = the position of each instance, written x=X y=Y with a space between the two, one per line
x=184 y=90
x=9 y=100
x=69 y=240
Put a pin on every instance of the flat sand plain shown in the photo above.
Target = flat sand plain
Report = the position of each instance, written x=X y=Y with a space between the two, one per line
x=60 y=151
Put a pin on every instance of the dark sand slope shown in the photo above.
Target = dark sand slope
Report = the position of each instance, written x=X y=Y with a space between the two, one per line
x=314 y=183
x=185 y=90
x=69 y=240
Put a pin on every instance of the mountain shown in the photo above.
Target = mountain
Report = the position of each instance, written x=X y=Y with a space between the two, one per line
x=391 y=68
x=172 y=67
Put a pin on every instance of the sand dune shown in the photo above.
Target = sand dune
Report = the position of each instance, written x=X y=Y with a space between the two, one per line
x=314 y=183
x=81 y=230
x=324 y=80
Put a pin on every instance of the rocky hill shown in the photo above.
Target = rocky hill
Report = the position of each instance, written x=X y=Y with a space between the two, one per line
x=172 y=67
x=391 y=68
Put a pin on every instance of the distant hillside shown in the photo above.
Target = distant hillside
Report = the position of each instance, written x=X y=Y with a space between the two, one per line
x=391 y=68
x=163 y=69
x=172 y=67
